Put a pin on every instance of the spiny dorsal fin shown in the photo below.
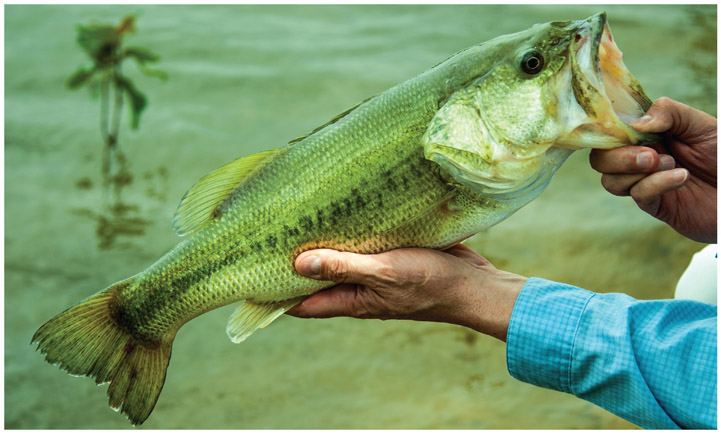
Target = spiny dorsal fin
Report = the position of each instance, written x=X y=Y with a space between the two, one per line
x=335 y=119
x=201 y=203
x=250 y=316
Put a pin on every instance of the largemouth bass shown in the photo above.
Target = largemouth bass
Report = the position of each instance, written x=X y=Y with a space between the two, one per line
x=427 y=163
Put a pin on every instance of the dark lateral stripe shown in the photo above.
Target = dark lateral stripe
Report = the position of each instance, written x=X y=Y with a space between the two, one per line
x=166 y=293
x=175 y=288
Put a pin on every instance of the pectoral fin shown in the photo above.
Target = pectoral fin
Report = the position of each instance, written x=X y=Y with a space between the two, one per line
x=250 y=316
x=443 y=206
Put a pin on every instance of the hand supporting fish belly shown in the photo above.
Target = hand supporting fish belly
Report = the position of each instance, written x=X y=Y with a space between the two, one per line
x=426 y=163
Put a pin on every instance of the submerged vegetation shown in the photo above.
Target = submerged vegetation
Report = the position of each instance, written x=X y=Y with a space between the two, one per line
x=103 y=44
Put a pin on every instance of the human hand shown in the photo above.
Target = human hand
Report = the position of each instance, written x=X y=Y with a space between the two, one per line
x=674 y=180
x=456 y=286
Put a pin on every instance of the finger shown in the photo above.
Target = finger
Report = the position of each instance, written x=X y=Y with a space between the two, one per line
x=663 y=114
x=620 y=184
x=678 y=119
x=340 y=267
x=648 y=191
x=626 y=159
x=331 y=302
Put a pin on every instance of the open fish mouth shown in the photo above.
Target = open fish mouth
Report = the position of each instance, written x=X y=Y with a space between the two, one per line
x=604 y=88
x=628 y=100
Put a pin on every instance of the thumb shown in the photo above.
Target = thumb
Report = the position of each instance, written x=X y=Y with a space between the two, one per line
x=677 y=118
x=339 y=267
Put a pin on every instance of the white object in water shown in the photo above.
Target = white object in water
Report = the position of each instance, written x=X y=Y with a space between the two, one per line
x=698 y=282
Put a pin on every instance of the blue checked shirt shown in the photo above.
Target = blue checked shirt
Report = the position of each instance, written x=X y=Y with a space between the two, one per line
x=652 y=363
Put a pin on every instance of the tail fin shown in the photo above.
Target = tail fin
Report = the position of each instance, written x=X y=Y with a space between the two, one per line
x=86 y=340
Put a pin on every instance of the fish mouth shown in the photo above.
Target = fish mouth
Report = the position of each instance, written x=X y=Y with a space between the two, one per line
x=603 y=87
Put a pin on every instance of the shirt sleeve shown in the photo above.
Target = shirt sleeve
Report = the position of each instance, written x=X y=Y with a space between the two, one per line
x=652 y=363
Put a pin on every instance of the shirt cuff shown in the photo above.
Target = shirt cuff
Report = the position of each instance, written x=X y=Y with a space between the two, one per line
x=541 y=333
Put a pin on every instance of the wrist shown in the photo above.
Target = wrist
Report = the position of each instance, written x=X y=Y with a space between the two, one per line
x=491 y=298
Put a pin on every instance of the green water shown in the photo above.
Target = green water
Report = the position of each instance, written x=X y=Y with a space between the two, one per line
x=248 y=78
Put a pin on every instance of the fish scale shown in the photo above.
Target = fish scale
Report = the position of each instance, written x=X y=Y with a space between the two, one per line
x=266 y=272
x=427 y=163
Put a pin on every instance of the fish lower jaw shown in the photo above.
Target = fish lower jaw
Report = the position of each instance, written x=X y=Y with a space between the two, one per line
x=599 y=136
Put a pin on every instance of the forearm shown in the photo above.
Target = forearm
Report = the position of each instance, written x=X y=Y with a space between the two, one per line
x=651 y=362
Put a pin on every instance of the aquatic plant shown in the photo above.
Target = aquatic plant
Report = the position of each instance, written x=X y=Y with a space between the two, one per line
x=103 y=44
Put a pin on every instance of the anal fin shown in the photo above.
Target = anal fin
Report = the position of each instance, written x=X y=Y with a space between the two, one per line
x=250 y=316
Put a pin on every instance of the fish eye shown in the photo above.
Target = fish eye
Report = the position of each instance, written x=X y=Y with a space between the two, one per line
x=532 y=62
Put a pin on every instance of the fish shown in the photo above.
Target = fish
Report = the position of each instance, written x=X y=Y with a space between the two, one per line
x=426 y=163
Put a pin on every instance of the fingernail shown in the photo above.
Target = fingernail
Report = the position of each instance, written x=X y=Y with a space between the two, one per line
x=680 y=175
x=310 y=266
x=642 y=120
x=667 y=162
x=644 y=160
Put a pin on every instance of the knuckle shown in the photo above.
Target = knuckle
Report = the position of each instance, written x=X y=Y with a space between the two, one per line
x=422 y=276
x=663 y=101
x=596 y=158
x=607 y=183
x=385 y=274
x=666 y=110
x=361 y=310
x=392 y=274
x=335 y=269
x=612 y=185
x=640 y=196
x=363 y=306
x=592 y=158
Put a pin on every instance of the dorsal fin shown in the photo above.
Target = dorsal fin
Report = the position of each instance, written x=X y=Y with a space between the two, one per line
x=202 y=203
x=335 y=119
